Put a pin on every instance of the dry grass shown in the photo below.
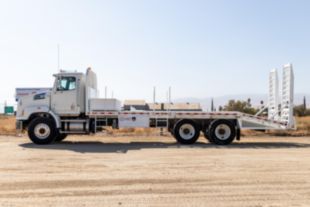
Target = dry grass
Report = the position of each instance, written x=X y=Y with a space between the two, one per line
x=7 y=127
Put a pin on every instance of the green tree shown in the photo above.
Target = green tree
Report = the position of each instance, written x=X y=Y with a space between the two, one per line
x=242 y=106
x=301 y=110
x=212 y=105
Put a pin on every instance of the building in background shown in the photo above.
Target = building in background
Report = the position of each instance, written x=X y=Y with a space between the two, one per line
x=175 y=106
x=130 y=105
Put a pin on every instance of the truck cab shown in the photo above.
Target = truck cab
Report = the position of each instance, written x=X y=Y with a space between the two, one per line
x=66 y=100
x=68 y=94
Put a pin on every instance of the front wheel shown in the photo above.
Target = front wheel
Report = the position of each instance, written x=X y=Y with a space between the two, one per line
x=186 y=132
x=222 y=132
x=42 y=131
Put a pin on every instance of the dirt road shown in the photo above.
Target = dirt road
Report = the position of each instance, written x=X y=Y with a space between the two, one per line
x=154 y=171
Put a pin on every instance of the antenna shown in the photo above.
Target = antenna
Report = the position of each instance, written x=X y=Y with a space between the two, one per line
x=58 y=57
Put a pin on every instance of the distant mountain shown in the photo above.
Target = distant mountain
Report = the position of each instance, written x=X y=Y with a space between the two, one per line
x=255 y=100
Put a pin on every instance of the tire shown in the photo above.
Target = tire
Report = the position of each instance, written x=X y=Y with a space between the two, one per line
x=186 y=132
x=42 y=131
x=60 y=137
x=222 y=132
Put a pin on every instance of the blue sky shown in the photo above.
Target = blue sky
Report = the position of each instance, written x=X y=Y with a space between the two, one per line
x=199 y=48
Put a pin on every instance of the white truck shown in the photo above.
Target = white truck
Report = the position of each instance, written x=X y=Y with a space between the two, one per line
x=72 y=106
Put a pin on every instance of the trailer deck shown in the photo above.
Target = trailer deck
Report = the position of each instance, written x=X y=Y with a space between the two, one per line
x=246 y=121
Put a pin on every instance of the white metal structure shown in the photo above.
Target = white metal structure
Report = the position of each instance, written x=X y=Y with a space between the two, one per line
x=73 y=107
x=287 y=95
x=273 y=99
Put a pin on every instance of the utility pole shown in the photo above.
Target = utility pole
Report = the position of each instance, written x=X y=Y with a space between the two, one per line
x=154 y=95
x=212 y=105
x=106 y=92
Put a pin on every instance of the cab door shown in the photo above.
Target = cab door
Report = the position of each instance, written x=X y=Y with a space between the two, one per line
x=64 y=100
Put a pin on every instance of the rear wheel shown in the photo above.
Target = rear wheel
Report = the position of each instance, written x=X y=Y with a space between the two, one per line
x=42 y=131
x=222 y=132
x=186 y=132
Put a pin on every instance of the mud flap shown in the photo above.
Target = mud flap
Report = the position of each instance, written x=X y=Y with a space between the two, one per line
x=238 y=135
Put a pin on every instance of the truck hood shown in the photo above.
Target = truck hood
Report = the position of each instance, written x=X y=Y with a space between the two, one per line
x=33 y=103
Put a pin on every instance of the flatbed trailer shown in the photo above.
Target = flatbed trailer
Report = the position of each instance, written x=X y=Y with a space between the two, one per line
x=73 y=107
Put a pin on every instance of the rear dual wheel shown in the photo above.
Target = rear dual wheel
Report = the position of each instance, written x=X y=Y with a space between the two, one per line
x=186 y=132
x=221 y=132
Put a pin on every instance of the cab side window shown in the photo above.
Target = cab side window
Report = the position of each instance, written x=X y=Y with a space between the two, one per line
x=66 y=84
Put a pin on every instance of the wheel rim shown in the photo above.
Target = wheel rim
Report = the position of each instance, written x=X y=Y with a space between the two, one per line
x=222 y=132
x=42 y=131
x=187 y=131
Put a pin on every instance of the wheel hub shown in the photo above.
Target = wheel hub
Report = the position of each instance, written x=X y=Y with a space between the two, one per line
x=223 y=132
x=42 y=131
x=187 y=131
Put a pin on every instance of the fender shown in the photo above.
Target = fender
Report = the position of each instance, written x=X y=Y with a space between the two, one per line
x=28 y=111
x=56 y=118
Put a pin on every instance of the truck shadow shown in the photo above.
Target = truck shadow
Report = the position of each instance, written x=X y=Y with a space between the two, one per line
x=101 y=147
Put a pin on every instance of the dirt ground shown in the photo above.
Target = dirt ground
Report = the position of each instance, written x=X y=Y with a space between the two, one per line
x=155 y=171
